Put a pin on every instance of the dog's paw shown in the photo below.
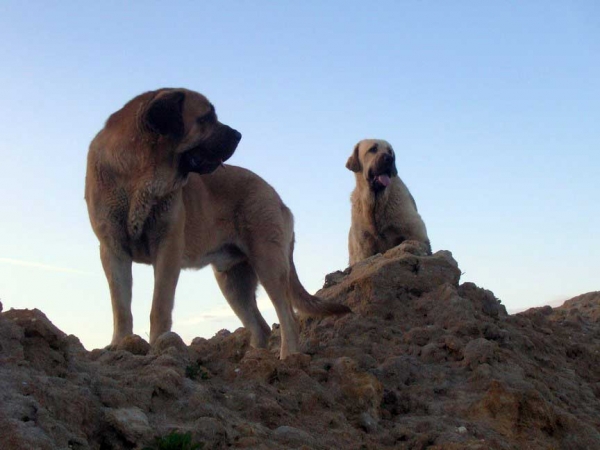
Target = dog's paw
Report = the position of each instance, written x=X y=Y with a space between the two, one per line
x=411 y=247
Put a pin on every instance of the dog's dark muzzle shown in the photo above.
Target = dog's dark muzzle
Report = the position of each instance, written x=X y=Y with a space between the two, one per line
x=380 y=173
x=210 y=154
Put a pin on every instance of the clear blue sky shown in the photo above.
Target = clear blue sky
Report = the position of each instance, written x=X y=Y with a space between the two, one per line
x=493 y=109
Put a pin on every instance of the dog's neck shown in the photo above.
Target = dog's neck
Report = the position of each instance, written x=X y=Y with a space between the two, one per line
x=145 y=202
x=369 y=203
x=147 y=190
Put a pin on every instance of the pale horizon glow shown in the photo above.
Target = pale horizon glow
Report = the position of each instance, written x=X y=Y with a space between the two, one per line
x=34 y=265
x=492 y=109
x=222 y=312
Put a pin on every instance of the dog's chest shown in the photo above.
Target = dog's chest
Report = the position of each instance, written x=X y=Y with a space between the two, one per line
x=144 y=248
x=381 y=240
x=386 y=234
x=391 y=238
x=141 y=249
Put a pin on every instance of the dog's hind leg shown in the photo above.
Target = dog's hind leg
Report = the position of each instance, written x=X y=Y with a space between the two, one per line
x=238 y=285
x=270 y=262
x=117 y=268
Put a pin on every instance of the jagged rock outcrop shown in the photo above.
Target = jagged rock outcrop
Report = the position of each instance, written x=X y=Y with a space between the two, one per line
x=423 y=362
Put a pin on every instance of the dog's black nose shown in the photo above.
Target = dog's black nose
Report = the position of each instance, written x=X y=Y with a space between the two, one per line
x=388 y=158
x=237 y=135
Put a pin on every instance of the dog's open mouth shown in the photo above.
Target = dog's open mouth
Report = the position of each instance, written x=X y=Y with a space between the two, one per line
x=379 y=182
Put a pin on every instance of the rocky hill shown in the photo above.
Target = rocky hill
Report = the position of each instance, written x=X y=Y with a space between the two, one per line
x=423 y=362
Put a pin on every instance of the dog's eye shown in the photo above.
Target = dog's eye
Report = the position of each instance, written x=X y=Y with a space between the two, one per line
x=206 y=118
x=373 y=149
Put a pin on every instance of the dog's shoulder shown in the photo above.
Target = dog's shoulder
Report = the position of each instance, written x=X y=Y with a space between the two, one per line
x=235 y=177
x=402 y=191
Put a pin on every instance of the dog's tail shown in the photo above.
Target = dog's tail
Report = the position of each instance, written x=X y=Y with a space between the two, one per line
x=306 y=303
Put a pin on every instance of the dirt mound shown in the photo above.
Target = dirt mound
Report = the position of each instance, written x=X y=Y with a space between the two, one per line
x=585 y=305
x=423 y=362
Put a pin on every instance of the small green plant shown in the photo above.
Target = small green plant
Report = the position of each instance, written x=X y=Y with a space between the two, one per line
x=196 y=371
x=175 y=441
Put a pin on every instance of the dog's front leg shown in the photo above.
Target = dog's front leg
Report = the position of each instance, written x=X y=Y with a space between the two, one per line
x=167 y=265
x=117 y=268
x=361 y=244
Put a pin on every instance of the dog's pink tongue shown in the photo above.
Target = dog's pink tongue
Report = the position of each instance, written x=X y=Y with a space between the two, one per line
x=384 y=179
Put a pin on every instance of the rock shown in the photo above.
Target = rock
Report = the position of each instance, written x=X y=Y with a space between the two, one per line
x=479 y=351
x=367 y=422
x=293 y=437
x=360 y=391
x=586 y=305
x=212 y=432
x=170 y=344
x=259 y=365
x=132 y=423
x=336 y=277
x=36 y=325
x=134 y=344
x=379 y=280
x=423 y=362
x=45 y=347
x=483 y=300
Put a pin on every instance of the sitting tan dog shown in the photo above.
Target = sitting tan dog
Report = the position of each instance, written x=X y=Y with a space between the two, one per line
x=384 y=213
x=157 y=194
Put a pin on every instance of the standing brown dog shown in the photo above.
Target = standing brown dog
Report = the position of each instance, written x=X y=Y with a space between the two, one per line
x=148 y=203
x=384 y=213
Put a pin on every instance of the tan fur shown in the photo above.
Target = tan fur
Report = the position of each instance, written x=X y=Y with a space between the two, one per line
x=156 y=194
x=382 y=217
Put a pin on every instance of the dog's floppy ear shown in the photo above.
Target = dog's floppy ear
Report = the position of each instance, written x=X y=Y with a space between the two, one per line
x=163 y=115
x=353 y=162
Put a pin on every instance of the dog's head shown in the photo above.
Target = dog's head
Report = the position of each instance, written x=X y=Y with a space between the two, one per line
x=185 y=125
x=375 y=160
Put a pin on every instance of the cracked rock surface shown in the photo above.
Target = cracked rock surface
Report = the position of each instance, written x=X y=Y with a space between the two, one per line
x=423 y=362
